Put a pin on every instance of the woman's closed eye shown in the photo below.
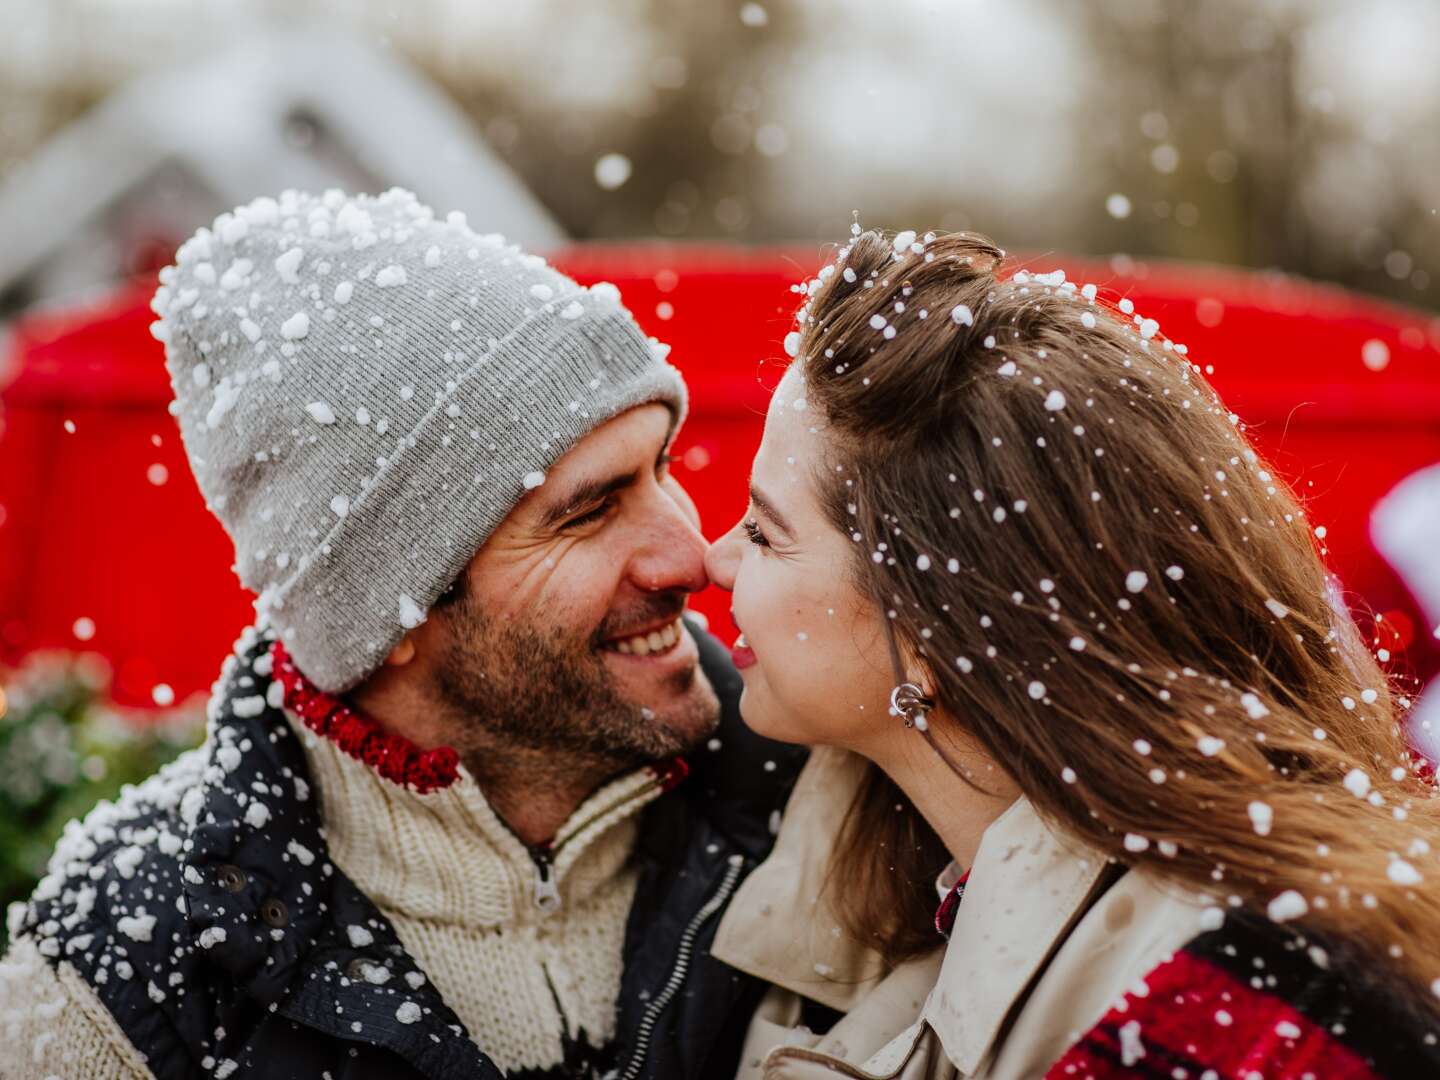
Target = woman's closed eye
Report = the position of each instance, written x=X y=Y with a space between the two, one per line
x=753 y=533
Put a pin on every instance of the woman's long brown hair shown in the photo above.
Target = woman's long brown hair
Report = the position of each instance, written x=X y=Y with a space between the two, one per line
x=1114 y=596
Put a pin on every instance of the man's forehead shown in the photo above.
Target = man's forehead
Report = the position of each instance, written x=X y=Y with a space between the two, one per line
x=616 y=448
x=635 y=431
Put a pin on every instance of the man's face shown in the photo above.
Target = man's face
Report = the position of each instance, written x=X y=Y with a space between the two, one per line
x=566 y=636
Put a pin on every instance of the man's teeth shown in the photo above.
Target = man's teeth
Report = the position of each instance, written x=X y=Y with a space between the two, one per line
x=741 y=643
x=653 y=642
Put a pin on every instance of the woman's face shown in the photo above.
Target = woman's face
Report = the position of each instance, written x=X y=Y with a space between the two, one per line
x=813 y=656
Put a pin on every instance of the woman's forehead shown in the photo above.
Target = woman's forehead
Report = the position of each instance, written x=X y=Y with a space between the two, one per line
x=790 y=424
x=790 y=453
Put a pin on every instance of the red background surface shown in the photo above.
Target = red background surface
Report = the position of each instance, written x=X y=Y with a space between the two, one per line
x=86 y=532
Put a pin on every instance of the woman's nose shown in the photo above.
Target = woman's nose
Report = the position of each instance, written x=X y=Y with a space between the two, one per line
x=723 y=559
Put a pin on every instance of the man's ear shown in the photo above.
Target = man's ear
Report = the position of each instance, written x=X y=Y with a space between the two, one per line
x=403 y=652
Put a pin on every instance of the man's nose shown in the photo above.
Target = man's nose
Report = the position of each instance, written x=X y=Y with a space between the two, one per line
x=723 y=559
x=672 y=554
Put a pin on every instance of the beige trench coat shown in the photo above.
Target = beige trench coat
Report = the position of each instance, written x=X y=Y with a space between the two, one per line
x=1046 y=941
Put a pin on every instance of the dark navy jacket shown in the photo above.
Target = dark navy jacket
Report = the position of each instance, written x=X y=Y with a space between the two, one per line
x=215 y=932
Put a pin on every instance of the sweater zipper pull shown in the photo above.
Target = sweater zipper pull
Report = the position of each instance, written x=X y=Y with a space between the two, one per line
x=547 y=896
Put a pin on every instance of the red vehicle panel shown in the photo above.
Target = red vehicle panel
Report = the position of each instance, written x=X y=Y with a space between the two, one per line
x=106 y=523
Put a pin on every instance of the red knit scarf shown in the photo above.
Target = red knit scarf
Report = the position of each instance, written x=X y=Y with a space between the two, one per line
x=393 y=756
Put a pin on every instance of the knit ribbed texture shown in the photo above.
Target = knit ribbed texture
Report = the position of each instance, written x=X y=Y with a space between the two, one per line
x=459 y=887
x=53 y=1025
x=365 y=392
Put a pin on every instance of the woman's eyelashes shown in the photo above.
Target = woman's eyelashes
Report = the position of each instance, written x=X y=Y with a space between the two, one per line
x=753 y=533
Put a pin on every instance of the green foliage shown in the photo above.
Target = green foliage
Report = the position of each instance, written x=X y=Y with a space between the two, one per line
x=63 y=748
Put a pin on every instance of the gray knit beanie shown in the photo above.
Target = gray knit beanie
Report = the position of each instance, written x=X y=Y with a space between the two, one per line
x=365 y=392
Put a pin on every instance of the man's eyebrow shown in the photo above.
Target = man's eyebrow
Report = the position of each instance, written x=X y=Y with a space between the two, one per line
x=585 y=493
x=766 y=507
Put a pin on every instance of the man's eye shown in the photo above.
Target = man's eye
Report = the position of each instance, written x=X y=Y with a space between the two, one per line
x=752 y=530
x=589 y=516
x=665 y=461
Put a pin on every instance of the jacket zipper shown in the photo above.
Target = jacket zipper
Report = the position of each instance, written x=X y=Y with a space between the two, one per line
x=681 y=968
x=544 y=892
x=546 y=895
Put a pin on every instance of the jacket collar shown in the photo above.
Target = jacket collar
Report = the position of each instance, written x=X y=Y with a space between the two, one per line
x=445 y=857
x=1028 y=885
x=253 y=754
x=268 y=907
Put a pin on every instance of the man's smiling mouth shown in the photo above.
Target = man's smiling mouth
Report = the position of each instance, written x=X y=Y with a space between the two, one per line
x=648 y=643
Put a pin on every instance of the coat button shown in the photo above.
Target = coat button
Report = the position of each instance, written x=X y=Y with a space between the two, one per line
x=232 y=878
x=364 y=970
x=275 y=913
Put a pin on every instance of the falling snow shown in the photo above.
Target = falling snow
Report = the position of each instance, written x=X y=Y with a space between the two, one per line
x=1288 y=905
x=1375 y=354
x=390 y=277
x=137 y=927
x=612 y=170
x=1253 y=706
x=1131 y=1048
x=297 y=326
x=1357 y=783
x=411 y=615
x=1402 y=873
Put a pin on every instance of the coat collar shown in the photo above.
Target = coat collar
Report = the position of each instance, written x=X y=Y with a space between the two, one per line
x=781 y=927
x=1028 y=885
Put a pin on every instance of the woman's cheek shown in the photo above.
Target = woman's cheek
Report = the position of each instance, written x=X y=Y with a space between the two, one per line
x=764 y=612
x=797 y=657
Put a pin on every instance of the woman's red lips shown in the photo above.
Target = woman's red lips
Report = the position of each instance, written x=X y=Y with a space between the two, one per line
x=741 y=655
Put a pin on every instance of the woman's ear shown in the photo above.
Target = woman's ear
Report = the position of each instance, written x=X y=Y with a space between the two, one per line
x=403 y=652
x=918 y=671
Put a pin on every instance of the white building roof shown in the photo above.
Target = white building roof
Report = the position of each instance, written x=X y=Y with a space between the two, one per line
x=310 y=108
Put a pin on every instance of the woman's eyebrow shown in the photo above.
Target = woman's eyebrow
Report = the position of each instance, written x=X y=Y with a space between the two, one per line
x=766 y=507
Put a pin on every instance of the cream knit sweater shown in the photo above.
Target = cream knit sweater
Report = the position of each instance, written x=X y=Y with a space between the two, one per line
x=521 y=970
x=463 y=893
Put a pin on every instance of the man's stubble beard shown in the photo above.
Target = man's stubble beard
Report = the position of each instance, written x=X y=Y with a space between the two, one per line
x=523 y=691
